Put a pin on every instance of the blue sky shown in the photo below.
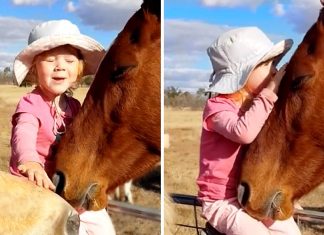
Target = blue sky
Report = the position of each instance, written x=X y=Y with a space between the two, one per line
x=100 y=19
x=190 y=26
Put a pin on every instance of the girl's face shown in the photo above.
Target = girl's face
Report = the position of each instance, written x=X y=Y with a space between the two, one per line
x=57 y=69
x=260 y=77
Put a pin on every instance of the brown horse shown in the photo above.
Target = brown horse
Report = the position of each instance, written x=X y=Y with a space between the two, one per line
x=286 y=160
x=28 y=209
x=116 y=135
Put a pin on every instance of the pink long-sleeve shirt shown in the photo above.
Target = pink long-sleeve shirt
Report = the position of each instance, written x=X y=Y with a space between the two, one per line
x=225 y=130
x=32 y=137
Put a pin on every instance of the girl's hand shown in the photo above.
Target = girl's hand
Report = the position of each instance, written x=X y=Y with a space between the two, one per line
x=276 y=79
x=36 y=173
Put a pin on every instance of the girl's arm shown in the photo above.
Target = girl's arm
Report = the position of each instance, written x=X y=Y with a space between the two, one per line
x=243 y=129
x=23 y=143
x=24 y=138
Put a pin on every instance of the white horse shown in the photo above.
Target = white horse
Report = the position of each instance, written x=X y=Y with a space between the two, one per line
x=29 y=210
x=124 y=192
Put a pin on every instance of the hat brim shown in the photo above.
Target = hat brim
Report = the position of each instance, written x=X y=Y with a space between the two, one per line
x=90 y=49
x=228 y=83
x=279 y=50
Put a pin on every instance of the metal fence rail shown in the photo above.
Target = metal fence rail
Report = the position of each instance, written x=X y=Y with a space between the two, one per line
x=134 y=210
x=310 y=216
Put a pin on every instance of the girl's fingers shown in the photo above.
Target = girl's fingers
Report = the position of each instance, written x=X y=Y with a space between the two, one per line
x=38 y=178
x=31 y=175
x=45 y=184
x=52 y=186
x=284 y=66
x=22 y=169
x=282 y=70
x=49 y=184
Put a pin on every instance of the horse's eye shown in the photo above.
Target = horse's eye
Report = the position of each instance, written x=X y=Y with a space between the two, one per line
x=119 y=72
x=135 y=36
x=311 y=49
x=122 y=71
x=298 y=82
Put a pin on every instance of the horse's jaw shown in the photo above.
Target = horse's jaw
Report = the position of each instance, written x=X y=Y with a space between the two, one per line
x=274 y=204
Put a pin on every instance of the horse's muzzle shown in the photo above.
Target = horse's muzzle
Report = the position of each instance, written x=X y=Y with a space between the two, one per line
x=269 y=208
x=73 y=224
x=59 y=182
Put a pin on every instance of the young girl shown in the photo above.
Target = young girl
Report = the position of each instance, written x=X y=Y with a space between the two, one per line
x=246 y=81
x=56 y=57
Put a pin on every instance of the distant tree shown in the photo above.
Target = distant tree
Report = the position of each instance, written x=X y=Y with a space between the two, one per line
x=6 y=76
x=174 y=97
x=7 y=70
x=26 y=83
x=172 y=92
x=201 y=92
x=87 y=80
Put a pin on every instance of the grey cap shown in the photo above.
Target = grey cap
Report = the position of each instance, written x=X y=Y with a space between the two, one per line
x=236 y=53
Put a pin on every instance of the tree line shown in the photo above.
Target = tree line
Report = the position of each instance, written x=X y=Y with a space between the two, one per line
x=7 y=78
x=176 y=98
x=173 y=97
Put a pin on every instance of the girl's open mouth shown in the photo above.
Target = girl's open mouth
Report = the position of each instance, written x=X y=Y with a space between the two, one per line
x=58 y=78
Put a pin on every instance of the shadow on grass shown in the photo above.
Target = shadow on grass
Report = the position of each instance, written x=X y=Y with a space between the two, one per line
x=151 y=181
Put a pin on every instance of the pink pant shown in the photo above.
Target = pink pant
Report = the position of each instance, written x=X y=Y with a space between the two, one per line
x=228 y=217
x=96 y=223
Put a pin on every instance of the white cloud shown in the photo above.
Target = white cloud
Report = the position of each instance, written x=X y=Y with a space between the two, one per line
x=106 y=14
x=14 y=35
x=278 y=9
x=102 y=14
x=70 y=7
x=14 y=29
x=232 y=3
x=186 y=41
x=33 y=2
x=184 y=49
x=189 y=38
x=302 y=14
x=186 y=63
x=6 y=60
x=186 y=79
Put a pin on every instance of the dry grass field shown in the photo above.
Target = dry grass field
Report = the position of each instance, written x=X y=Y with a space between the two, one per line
x=181 y=170
x=9 y=97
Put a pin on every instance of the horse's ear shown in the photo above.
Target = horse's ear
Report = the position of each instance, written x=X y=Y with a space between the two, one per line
x=320 y=20
x=152 y=6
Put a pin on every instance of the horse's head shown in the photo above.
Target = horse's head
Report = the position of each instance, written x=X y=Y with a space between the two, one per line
x=286 y=160
x=116 y=135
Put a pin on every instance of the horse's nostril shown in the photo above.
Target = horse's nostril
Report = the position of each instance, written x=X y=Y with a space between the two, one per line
x=243 y=193
x=89 y=196
x=73 y=224
x=59 y=181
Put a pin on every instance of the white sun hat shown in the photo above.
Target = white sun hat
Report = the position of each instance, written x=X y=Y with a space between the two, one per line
x=52 y=34
x=237 y=52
